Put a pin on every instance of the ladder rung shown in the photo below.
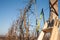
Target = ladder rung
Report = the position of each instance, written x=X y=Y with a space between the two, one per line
x=47 y=30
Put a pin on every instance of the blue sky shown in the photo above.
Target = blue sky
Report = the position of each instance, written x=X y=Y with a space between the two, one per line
x=10 y=11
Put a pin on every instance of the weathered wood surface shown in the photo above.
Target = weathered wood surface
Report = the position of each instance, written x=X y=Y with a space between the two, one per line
x=54 y=12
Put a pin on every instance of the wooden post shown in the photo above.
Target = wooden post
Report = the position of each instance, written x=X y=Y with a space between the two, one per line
x=54 y=16
x=42 y=33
